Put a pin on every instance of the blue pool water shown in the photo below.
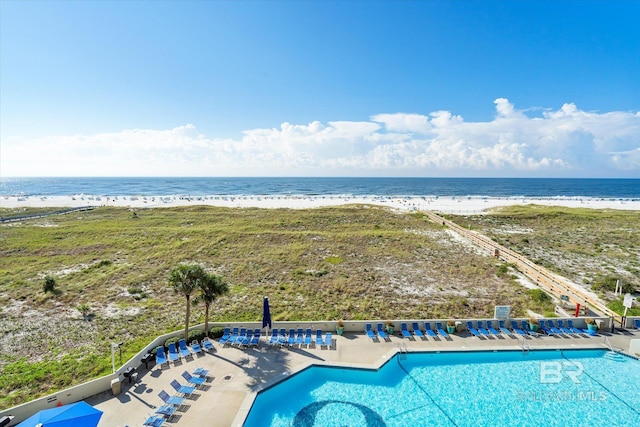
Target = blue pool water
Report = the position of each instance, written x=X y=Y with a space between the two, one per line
x=539 y=388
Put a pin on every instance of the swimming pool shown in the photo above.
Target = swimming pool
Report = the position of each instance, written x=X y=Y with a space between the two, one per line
x=536 y=388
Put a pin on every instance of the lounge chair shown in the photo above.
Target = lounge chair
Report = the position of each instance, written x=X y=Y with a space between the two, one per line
x=573 y=328
x=504 y=329
x=291 y=339
x=161 y=358
x=473 y=330
x=516 y=329
x=369 y=331
x=308 y=338
x=196 y=381
x=201 y=372
x=491 y=329
x=637 y=323
x=299 y=337
x=154 y=421
x=319 y=340
x=481 y=329
x=207 y=344
x=166 y=410
x=441 y=331
x=195 y=347
x=183 y=389
x=380 y=331
x=246 y=339
x=563 y=328
x=283 y=336
x=544 y=328
x=428 y=330
x=552 y=327
x=171 y=400
x=184 y=351
x=225 y=335
x=274 y=339
x=416 y=330
x=173 y=353
x=328 y=340
x=255 y=339
x=239 y=338
x=405 y=332
x=525 y=327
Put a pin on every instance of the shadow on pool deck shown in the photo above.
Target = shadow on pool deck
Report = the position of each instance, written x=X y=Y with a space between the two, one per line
x=236 y=374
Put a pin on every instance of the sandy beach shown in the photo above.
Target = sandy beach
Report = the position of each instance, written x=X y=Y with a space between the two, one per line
x=452 y=205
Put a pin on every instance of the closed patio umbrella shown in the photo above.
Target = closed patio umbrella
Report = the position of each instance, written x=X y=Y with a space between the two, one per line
x=266 y=314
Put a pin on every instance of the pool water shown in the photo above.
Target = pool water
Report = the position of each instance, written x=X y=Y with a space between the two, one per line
x=538 y=388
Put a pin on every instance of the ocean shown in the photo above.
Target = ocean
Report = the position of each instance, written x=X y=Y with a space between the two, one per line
x=415 y=187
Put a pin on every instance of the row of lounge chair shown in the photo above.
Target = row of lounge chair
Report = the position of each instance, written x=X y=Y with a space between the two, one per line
x=182 y=351
x=171 y=403
x=301 y=337
x=417 y=332
x=241 y=337
x=545 y=326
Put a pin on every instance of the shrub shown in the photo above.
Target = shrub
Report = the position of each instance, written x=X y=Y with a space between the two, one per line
x=172 y=340
x=538 y=295
x=196 y=334
x=216 y=332
x=608 y=284
x=49 y=284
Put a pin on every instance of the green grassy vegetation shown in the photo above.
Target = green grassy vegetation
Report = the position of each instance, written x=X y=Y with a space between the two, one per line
x=590 y=247
x=350 y=262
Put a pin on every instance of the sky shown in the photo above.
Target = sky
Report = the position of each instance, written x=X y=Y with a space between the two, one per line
x=320 y=88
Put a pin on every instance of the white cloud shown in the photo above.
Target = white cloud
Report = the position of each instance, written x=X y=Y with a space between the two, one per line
x=565 y=142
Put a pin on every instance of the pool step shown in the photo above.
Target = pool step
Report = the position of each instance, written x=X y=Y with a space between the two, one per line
x=615 y=356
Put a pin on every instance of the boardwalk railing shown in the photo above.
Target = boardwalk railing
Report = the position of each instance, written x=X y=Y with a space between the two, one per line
x=548 y=281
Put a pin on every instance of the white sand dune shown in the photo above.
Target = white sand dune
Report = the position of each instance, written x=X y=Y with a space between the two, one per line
x=457 y=205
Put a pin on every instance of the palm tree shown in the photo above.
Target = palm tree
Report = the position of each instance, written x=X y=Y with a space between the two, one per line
x=185 y=279
x=210 y=289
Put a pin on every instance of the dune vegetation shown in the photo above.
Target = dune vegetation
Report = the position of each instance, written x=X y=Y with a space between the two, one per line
x=110 y=269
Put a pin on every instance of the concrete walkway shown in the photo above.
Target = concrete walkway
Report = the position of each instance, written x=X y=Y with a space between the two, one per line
x=235 y=375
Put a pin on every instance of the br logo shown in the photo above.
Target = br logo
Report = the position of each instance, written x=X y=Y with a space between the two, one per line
x=555 y=372
x=307 y=415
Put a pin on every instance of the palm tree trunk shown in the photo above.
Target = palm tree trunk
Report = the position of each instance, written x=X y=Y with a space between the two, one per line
x=206 y=319
x=186 y=323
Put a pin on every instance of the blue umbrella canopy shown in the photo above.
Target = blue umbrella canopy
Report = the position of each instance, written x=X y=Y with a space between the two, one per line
x=79 y=414
x=266 y=314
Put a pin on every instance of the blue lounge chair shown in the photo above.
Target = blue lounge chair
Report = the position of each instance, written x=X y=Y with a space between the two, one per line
x=183 y=389
x=428 y=330
x=239 y=338
x=552 y=327
x=171 y=400
x=246 y=339
x=481 y=329
x=308 y=338
x=195 y=347
x=416 y=330
x=226 y=334
x=255 y=339
x=173 y=353
x=525 y=327
x=516 y=329
x=563 y=328
x=283 y=336
x=504 y=329
x=473 y=330
x=491 y=329
x=184 y=351
x=291 y=339
x=441 y=331
x=166 y=410
x=405 y=332
x=369 y=331
x=154 y=421
x=161 y=358
x=225 y=340
x=328 y=340
x=380 y=331
x=544 y=328
x=207 y=344
x=196 y=381
x=299 y=336
x=573 y=328
x=637 y=323
x=201 y=372
x=319 y=341
x=275 y=338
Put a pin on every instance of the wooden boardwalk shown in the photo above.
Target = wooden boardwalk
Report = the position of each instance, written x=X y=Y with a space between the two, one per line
x=548 y=281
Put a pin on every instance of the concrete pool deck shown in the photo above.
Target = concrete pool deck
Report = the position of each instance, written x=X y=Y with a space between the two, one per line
x=236 y=374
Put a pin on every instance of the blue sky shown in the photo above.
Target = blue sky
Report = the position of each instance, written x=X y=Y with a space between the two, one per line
x=333 y=88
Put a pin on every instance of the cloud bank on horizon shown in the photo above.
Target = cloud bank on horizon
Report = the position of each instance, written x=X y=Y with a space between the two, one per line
x=567 y=142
